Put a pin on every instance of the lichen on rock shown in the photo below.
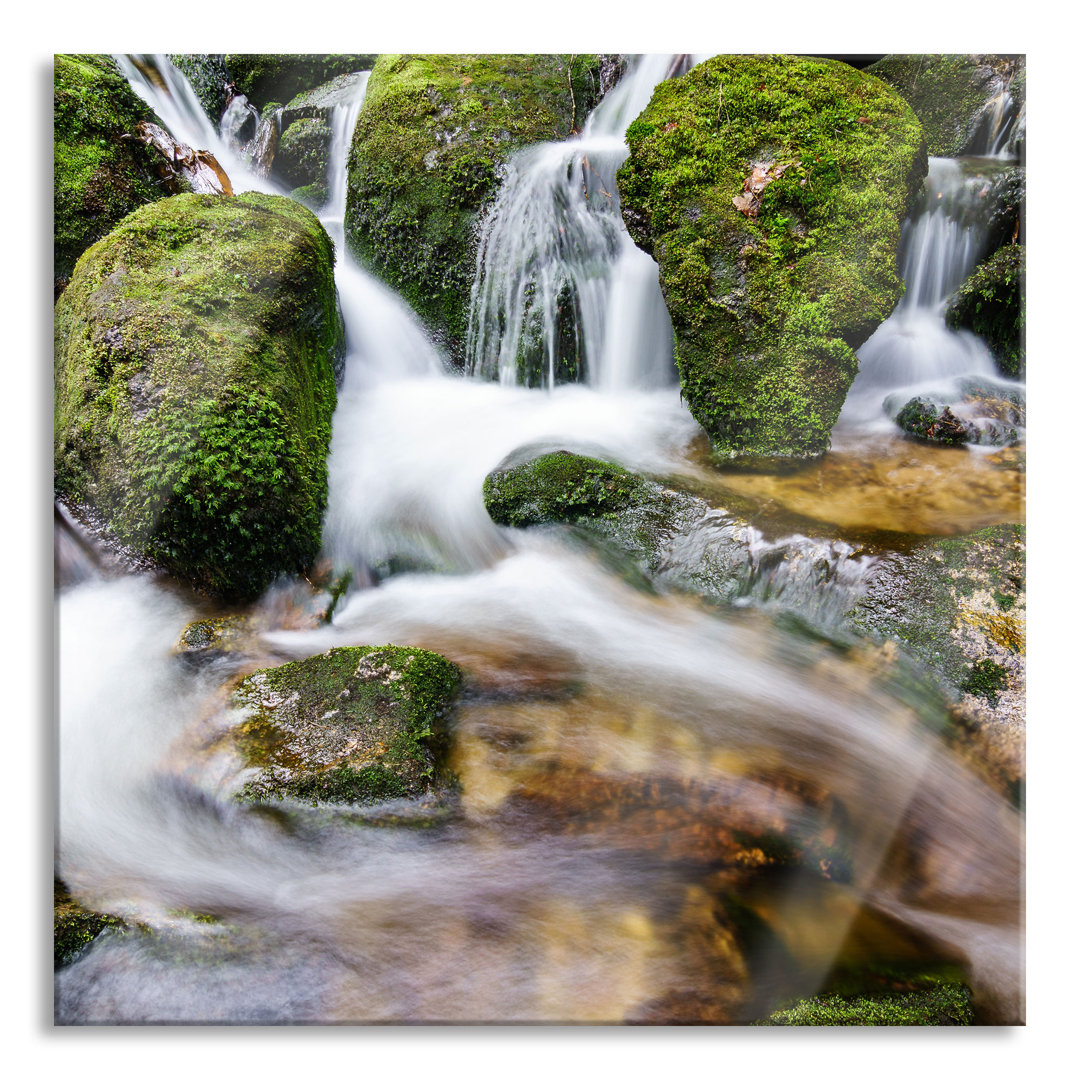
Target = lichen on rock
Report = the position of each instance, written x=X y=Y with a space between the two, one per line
x=771 y=191
x=195 y=354
x=357 y=724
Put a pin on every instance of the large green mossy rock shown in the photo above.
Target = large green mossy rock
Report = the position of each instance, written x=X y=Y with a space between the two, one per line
x=950 y=91
x=101 y=172
x=195 y=384
x=425 y=159
x=991 y=304
x=771 y=191
x=358 y=724
x=266 y=77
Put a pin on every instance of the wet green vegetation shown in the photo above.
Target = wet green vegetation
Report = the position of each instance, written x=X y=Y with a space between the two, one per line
x=771 y=192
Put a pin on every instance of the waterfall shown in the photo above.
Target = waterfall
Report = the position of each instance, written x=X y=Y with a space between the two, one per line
x=561 y=292
x=503 y=912
x=940 y=247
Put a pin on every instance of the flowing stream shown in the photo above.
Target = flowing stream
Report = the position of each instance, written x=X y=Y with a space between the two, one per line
x=610 y=742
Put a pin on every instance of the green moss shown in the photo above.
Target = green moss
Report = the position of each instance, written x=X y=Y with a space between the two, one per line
x=195 y=353
x=100 y=174
x=770 y=298
x=426 y=153
x=558 y=487
x=267 y=77
x=302 y=153
x=985 y=679
x=74 y=926
x=943 y=1006
x=207 y=75
x=947 y=92
x=917 y=597
x=356 y=724
x=991 y=304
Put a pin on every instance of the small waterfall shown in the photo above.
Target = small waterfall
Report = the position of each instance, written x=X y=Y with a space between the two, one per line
x=561 y=292
x=342 y=122
x=239 y=123
x=165 y=89
x=940 y=248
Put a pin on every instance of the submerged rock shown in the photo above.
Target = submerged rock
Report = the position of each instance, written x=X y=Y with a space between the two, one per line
x=972 y=411
x=950 y=93
x=100 y=171
x=195 y=384
x=426 y=153
x=771 y=190
x=358 y=724
x=991 y=304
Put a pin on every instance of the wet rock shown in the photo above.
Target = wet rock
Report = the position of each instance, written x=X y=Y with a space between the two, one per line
x=319 y=103
x=771 y=191
x=357 y=724
x=991 y=304
x=302 y=152
x=425 y=161
x=958 y=605
x=950 y=93
x=195 y=353
x=211 y=639
x=181 y=167
x=100 y=173
x=980 y=412
x=923 y=419
x=74 y=926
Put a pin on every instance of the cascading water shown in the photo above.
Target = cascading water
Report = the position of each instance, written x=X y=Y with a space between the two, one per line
x=561 y=293
x=505 y=912
x=914 y=350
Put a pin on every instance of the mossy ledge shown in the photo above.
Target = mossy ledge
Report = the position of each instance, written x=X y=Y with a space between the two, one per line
x=560 y=486
x=991 y=304
x=771 y=191
x=100 y=172
x=358 y=724
x=425 y=159
x=195 y=354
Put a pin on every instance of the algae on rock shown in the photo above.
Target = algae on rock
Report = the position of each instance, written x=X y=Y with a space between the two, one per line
x=426 y=153
x=101 y=171
x=195 y=362
x=771 y=190
x=357 y=724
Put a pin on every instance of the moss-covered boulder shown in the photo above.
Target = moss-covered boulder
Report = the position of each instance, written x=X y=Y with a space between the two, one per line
x=950 y=92
x=425 y=159
x=195 y=353
x=302 y=154
x=266 y=77
x=771 y=191
x=560 y=486
x=358 y=724
x=101 y=172
x=991 y=304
